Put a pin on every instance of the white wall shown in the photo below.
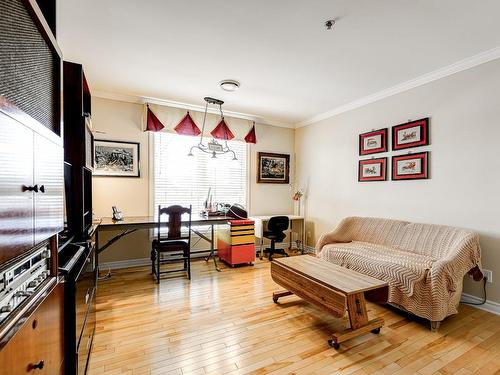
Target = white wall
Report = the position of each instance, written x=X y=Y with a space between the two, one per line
x=464 y=189
x=122 y=121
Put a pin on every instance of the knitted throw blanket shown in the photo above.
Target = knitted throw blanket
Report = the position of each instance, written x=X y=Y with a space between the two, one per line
x=399 y=268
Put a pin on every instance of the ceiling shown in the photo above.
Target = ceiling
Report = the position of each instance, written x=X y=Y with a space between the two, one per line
x=290 y=68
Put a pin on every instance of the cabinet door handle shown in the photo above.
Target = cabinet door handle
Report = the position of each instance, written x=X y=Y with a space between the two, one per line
x=42 y=188
x=31 y=188
x=38 y=365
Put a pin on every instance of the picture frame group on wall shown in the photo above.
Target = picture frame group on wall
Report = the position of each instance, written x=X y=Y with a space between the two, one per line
x=411 y=166
x=116 y=158
x=273 y=168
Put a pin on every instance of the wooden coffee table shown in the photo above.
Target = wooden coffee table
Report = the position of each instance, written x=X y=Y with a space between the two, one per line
x=331 y=288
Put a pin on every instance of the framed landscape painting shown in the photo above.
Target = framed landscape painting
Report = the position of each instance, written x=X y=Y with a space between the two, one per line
x=411 y=134
x=373 y=142
x=372 y=170
x=273 y=168
x=116 y=159
x=410 y=167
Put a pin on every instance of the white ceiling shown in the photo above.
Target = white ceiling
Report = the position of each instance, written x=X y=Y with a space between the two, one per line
x=290 y=68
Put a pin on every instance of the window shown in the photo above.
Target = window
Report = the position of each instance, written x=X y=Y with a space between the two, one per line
x=184 y=180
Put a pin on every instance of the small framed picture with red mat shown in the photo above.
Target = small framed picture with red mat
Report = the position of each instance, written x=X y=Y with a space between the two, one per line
x=373 y=142
x=372 y=170
x=411 y=134
x=410 y=167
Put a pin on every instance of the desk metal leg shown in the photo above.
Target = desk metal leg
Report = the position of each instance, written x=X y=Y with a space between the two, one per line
x=303 y=236
x=212 y=249
x=261 y=247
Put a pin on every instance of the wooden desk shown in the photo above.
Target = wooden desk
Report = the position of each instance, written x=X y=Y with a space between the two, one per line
x=131 y=224
x=261 y=224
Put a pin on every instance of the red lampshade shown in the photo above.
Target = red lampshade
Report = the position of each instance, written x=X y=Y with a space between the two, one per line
x=251 y=137
x=153 y=124
x=187 y=126
x=222 y=131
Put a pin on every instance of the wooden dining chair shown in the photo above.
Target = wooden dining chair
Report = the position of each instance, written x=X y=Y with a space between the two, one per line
x=174 y=246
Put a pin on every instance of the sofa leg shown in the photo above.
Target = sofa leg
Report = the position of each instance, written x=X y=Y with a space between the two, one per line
x=435 y=325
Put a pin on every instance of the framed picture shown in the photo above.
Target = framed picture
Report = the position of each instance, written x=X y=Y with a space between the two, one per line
x=410 y=167
x=373 y=142
x=372 y=170
x=116 y=159
x=411 y=134
x=273 y=168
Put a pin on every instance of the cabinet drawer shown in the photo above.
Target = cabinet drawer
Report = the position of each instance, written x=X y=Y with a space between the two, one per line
x=39 y=342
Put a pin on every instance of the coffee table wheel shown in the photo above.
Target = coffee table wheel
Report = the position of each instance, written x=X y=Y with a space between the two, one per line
x=333 y=344
x=376 y=330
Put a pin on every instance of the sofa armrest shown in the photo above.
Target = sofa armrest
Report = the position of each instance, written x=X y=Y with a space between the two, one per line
x=463 y=258
x=341 y=234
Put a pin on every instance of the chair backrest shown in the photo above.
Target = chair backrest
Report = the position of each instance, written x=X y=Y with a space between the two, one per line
x=278 y=224
x=174 y=223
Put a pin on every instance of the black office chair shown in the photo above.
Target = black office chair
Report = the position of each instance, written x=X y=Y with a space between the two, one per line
x=275 y=232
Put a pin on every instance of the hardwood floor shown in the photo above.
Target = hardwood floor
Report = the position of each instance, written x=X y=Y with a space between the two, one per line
x=227 y=323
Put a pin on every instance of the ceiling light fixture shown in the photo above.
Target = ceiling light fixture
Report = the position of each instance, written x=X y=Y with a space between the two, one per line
x=212 y=147
x=229 y=85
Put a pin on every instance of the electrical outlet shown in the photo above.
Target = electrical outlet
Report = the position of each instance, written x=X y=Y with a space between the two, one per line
x=489 y=275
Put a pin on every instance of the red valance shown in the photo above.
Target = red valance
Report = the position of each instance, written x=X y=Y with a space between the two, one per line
x=251 y=137
x=153 y=124
x=187 y=126
x=222 y=131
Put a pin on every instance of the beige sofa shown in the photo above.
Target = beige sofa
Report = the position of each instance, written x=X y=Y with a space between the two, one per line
x=424 y=264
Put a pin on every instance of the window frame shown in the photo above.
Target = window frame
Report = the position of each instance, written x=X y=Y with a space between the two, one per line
x=151 y=179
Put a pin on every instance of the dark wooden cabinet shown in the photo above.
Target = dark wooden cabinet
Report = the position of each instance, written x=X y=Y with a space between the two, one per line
x=31 y=186
x=38 y=347
x=48 y=175
x=78 y=147
x=16 y=173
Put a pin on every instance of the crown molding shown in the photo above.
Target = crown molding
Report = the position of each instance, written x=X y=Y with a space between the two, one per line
x=191 y=107
x=435 y=75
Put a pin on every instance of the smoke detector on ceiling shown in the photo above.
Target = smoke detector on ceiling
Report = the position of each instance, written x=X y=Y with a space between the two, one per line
x=229 y=85
x=329 y=24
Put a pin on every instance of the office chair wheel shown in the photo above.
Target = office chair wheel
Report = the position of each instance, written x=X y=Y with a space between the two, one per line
x=376 y=331
x=275 y=299
x=261 y=258
x=333 y=344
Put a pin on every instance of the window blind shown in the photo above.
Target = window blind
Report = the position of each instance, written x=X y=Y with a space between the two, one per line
x=183 y=180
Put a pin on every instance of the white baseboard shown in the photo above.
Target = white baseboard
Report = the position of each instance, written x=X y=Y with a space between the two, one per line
x=490 y=306
x=125 y=264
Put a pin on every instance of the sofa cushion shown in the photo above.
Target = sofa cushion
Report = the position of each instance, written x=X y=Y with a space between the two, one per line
x=399 y=268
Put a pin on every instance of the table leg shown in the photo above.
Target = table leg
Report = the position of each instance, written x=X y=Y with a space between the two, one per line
x=281 y=293
x=358 y=317
x=212 y=249
x=303 y=236
x=262 y=247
